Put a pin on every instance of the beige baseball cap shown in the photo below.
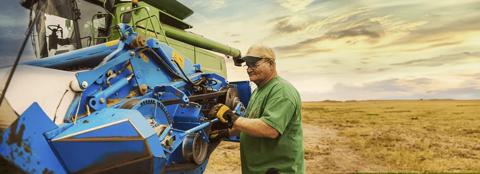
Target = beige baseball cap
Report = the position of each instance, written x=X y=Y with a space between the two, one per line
x=259 y=51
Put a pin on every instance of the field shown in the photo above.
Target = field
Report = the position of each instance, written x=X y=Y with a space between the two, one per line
x=381 y=136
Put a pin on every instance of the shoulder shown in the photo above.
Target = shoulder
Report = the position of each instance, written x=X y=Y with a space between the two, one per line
x=282 y=85
x=284 y=89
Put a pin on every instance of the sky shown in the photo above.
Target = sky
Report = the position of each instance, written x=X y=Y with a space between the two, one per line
x=336 y=49
x=13 y=26
x=357 y=49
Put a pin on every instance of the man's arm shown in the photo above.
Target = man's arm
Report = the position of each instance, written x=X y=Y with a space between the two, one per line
x=251 y=126
x=254 y=127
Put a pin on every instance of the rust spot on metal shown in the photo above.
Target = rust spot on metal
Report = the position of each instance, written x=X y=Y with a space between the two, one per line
x=1 y=136
x=14 y=137
x=113 y=101
x=46 y=171
x=8 y=167
x=27 y=148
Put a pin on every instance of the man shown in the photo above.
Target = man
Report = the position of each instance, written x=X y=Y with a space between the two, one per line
x=271 y=137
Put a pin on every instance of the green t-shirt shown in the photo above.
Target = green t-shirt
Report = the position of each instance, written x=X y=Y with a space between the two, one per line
x=278 y=104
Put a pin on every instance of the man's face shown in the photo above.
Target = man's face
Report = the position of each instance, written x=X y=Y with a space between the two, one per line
x=259 y=71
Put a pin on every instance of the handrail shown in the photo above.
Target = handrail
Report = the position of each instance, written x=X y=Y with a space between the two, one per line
x=133 y=19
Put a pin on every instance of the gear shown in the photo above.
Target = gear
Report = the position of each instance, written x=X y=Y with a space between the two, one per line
x=150 y=108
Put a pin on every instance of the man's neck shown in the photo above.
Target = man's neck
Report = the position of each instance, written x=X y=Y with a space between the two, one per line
x=264 y=82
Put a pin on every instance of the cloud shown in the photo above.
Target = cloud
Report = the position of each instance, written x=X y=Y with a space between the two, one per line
x=202 y=5
x=383 y=26
x=449 y=24
x=470 y=92
x=475 y=76
x=299 y=50
x=390 y=85
x=441 y=60
x=351 y=28
x=440 y=35
x=10 y=45
x=294 y=5
x=288 y=25
x=417 y=88
x=370 y=31
x=336 y=61
x=371 y=90
x=217 y=4
x=13 y=25
x=368 y=70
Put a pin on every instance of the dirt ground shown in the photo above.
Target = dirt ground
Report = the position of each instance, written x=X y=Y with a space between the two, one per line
x=381 y=136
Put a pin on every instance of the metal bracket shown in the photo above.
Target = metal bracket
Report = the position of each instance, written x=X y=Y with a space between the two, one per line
x=177 y=92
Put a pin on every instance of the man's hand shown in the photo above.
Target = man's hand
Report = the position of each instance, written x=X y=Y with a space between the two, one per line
x=217 y=135
x=224 y=114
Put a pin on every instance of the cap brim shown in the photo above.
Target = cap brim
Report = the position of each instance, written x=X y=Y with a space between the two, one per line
x=251 y=59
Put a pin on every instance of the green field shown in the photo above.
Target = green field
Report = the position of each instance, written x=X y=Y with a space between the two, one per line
x=382 y=136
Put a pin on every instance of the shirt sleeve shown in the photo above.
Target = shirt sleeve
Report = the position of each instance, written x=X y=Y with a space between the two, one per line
x=278 y=112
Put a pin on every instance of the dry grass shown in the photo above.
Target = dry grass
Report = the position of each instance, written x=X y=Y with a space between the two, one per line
x=382 y=136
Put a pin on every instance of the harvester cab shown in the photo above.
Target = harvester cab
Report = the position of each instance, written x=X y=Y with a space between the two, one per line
x=120 y=87
x=74 y=24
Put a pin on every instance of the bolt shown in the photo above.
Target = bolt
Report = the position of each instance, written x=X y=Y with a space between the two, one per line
x=143 y=89
x=102 y=100
x=109 y=73
x=84 y=84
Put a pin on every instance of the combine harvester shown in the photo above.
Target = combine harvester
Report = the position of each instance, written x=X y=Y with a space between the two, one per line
x=121 y=87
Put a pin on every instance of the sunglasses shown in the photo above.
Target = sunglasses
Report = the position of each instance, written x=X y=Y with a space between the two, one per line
x=253 y=63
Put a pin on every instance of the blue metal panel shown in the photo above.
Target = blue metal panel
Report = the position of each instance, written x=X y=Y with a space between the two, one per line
x=107 y=118
x=24 y=145
x=91 y=76
x=94 y=53
x=244 y=91
x=114 y=148
x=188 y=113
x=155 y=147
x=173 y=90
x=149 y=73
x=159 y=165
x=124 y=129
x=165 y=53
x=217 y=82
x=101 y=154
x=138 y=121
